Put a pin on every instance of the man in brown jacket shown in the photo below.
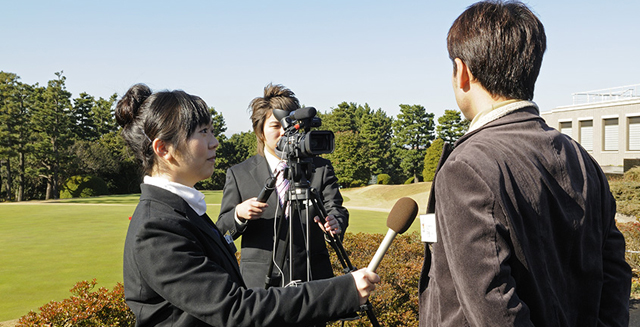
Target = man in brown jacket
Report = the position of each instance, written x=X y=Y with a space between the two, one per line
x=525 y=219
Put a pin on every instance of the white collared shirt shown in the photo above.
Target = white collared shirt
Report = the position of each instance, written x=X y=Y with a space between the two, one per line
x=272 y=161
x=193 y=197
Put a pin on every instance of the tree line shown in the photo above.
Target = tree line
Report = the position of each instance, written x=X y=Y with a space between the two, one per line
x=47 y=137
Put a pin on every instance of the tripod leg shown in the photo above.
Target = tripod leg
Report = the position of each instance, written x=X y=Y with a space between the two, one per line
x=341 y=253
x=370 y=314
x=334 y=241
x=268 y=278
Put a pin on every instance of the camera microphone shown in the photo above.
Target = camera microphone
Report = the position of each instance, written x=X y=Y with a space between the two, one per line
x=399 y=220
x=303 y=113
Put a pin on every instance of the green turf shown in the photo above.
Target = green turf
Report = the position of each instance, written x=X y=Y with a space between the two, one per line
x=213 y=197
x=373 y=222
x=48 y=247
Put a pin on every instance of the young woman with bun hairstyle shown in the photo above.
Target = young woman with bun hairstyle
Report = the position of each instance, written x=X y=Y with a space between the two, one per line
x=178 y=270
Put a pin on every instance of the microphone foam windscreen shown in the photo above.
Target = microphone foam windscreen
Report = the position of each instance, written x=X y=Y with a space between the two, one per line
x=304 y=113
x=402 y=215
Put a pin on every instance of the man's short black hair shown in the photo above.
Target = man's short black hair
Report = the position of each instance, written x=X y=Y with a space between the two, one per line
x=502 y=44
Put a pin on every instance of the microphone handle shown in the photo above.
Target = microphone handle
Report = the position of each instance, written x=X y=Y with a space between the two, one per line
x=267 y=190
x=382 y=249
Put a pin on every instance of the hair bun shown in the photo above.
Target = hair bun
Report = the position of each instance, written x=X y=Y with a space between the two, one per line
x=128 y=107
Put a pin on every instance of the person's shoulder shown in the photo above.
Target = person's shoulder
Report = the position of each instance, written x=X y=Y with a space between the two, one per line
x=479 y=146
x=248 y=163
x=157 y=199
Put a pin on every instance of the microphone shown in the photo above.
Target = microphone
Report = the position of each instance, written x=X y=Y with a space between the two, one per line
x=303 y=113
x=268 y=187
x=400 y=218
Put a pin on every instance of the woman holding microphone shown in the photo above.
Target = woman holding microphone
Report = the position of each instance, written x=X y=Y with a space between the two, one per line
x=178 y=269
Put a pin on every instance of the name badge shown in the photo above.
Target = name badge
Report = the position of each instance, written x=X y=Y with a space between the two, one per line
x=228 y=238
x=428 y=228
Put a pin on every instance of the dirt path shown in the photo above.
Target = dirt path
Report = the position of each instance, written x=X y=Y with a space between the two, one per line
x=625 y=219
x=9 y=323
x=367 y=208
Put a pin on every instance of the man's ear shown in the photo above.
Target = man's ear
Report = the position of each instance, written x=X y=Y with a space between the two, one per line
x=463 y=75
x=161 y=149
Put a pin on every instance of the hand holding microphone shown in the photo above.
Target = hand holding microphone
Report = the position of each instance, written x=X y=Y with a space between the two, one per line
x=365 y=283
x=399 y=220
x=252 y=208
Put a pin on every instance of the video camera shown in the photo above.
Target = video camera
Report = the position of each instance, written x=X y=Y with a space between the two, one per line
x=298 y=140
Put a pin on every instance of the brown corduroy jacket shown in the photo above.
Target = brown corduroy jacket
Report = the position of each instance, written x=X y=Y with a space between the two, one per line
x=526 y=233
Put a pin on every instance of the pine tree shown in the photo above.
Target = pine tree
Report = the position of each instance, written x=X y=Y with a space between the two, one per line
x=82 y=122
x=451 y=126
x=51 y=123
x=15 y=102
x=349 y=159
x=103 y=115
x=413 y=131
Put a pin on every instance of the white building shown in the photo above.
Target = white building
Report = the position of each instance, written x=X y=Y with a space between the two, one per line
x=606 y=123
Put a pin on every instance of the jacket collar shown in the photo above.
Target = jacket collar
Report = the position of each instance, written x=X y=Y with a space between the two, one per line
x=154 y=193
x=498 y=110
x=193 y=197
x=520 y=115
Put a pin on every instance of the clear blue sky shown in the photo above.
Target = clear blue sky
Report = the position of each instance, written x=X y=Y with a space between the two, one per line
x=383 y=53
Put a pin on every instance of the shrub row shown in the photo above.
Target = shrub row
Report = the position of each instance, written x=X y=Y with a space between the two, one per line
x=395 y=301
x=626 y=190
x=86 y=308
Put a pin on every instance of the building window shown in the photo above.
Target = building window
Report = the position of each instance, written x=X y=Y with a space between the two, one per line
x=634 y=133
x=586 y=134
x=565 y=128
x=610 y=134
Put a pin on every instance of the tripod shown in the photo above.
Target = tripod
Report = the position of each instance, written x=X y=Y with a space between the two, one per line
x=300 y=196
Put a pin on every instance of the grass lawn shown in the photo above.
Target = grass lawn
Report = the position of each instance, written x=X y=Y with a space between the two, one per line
x=49 y=246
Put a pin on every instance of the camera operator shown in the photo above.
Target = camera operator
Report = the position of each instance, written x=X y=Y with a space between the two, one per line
x=242 y=214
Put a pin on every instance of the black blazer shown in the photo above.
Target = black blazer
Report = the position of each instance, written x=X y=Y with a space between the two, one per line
x=245 y=181
x=178 y=271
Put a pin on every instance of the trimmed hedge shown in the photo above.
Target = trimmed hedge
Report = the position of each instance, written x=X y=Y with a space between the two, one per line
x=431 y=158
x=85 y=308
x=395 y=300
x=626 y=191
x=83 y=187
x=384 y=179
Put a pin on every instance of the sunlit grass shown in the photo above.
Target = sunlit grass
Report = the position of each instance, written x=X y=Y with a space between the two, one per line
x=46 y=249
x=49 y=246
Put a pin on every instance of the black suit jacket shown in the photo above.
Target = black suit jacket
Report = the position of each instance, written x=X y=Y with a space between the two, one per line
x=244 y=181
x=179 y=272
